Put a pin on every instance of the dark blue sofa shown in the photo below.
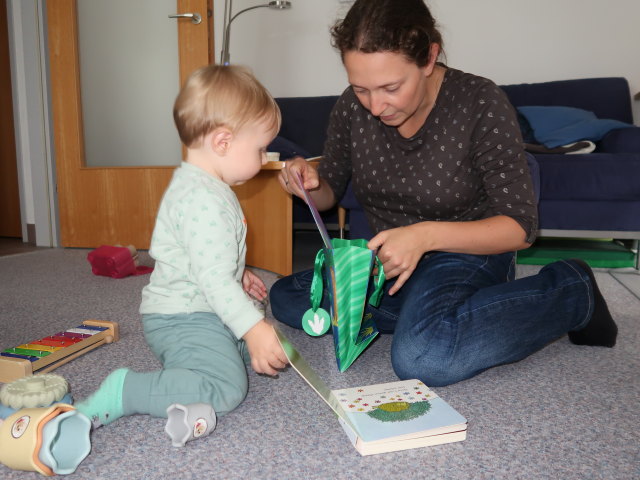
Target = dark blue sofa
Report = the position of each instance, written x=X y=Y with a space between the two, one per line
x=594 y=195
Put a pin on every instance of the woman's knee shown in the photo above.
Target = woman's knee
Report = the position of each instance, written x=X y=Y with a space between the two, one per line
x=278 y=294
x=279 y=298
x=289 y=298
x=432 y=375
x=435 y=369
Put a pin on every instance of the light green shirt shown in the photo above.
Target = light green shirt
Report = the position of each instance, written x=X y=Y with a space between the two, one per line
x=199 y=245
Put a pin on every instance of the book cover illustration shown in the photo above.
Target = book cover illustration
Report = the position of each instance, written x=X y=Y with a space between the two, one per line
x=396 y=409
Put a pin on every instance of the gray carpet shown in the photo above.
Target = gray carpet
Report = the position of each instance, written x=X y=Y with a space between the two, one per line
x=566 y=412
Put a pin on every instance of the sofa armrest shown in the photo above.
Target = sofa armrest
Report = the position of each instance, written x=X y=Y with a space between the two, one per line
x=623 y=140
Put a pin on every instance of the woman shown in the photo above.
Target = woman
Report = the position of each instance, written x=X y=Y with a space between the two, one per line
x=436 y=159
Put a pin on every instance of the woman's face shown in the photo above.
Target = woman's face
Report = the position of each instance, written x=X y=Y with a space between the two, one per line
x=388 y=85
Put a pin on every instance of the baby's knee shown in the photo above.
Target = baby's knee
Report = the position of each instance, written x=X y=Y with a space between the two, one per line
x=227 y=395
x=235 y=397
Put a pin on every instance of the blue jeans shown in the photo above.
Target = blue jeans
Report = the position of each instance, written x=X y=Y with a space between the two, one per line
x=459 y=314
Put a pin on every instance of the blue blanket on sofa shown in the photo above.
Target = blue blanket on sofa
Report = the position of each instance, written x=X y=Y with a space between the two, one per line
x=554 y=126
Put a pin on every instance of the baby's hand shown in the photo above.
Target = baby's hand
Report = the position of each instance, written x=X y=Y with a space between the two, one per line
x=253 y=285
x=266 y=353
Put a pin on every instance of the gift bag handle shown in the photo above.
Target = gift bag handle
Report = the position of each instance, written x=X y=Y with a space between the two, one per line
x=379 y=283
x=316 y=283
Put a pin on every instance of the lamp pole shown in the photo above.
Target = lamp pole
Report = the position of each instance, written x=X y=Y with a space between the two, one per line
x=229 y=17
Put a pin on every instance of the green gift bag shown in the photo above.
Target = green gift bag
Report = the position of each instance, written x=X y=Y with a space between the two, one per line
x=348 y=265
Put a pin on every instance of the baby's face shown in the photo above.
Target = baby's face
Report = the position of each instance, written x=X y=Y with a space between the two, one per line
x=248 y=152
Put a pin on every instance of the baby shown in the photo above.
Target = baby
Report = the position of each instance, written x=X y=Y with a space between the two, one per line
x=197 y=314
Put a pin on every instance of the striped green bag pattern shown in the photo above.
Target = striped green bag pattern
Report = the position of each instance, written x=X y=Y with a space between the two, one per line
x=348 y=266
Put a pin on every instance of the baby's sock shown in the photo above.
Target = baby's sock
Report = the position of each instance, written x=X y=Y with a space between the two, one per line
x=105 y=404
x=601 y=330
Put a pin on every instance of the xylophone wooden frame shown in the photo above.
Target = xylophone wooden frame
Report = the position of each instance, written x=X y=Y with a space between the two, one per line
x=14 y=368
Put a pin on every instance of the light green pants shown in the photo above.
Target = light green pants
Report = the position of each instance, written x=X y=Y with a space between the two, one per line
x=203 y=362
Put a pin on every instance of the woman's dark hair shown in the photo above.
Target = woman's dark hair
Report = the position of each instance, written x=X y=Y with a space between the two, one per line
x=403 y=26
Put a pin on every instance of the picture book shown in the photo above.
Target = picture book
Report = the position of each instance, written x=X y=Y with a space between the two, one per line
x=397 y=416
x=385 y=417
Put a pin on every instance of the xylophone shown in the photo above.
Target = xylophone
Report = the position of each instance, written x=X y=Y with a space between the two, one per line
x=50 y=352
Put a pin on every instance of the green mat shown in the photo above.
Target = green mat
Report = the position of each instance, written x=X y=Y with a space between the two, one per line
x=597 y=253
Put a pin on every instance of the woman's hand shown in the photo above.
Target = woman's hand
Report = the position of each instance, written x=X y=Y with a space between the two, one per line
x=318 y=188
x=399 y=250
x=288 y=176
x=253 y=285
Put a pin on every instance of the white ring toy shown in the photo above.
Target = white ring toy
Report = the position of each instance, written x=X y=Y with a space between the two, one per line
x=34 y=391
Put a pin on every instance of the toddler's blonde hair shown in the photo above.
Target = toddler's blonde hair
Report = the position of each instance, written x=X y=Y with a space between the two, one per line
x=221 y=96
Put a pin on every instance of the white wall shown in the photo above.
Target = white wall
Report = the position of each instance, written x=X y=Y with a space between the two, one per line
x=288 y=50
x=509 y=41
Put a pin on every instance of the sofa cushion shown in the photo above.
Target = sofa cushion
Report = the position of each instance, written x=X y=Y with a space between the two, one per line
x=557 y=125
x=624 y=140
x=534 y=171
x=607 y=97
x=598 y=215
x=358 y=223
x=592 y=177
x=525 y=129
x=305 y=121
x=286 y=148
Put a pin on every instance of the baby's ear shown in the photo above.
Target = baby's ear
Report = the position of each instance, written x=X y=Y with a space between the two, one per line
x=220 y=140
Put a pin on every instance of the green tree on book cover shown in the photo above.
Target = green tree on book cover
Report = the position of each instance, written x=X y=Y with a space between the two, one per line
x=399 y=411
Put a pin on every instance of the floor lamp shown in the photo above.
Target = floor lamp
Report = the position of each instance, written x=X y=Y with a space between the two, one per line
x=230 y=17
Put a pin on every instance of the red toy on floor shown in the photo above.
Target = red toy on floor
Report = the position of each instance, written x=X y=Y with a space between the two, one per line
x=116 y=261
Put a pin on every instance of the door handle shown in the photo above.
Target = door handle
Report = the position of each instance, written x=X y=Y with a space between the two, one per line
x=195 y=17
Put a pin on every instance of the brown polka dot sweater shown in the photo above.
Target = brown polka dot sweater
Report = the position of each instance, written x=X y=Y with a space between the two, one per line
x=465 y=163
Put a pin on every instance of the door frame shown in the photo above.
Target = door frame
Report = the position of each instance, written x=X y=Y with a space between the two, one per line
x=27 y=44
x=10 y=216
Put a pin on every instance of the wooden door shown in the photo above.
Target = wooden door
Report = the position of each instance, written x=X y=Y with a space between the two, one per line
x=10 y=223
x=107 y=205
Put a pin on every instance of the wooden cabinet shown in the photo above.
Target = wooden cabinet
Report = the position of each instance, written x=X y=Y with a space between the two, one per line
x=268 y=210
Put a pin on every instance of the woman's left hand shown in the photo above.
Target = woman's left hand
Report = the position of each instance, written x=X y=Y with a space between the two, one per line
x=399 y=250
x=253 y=285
